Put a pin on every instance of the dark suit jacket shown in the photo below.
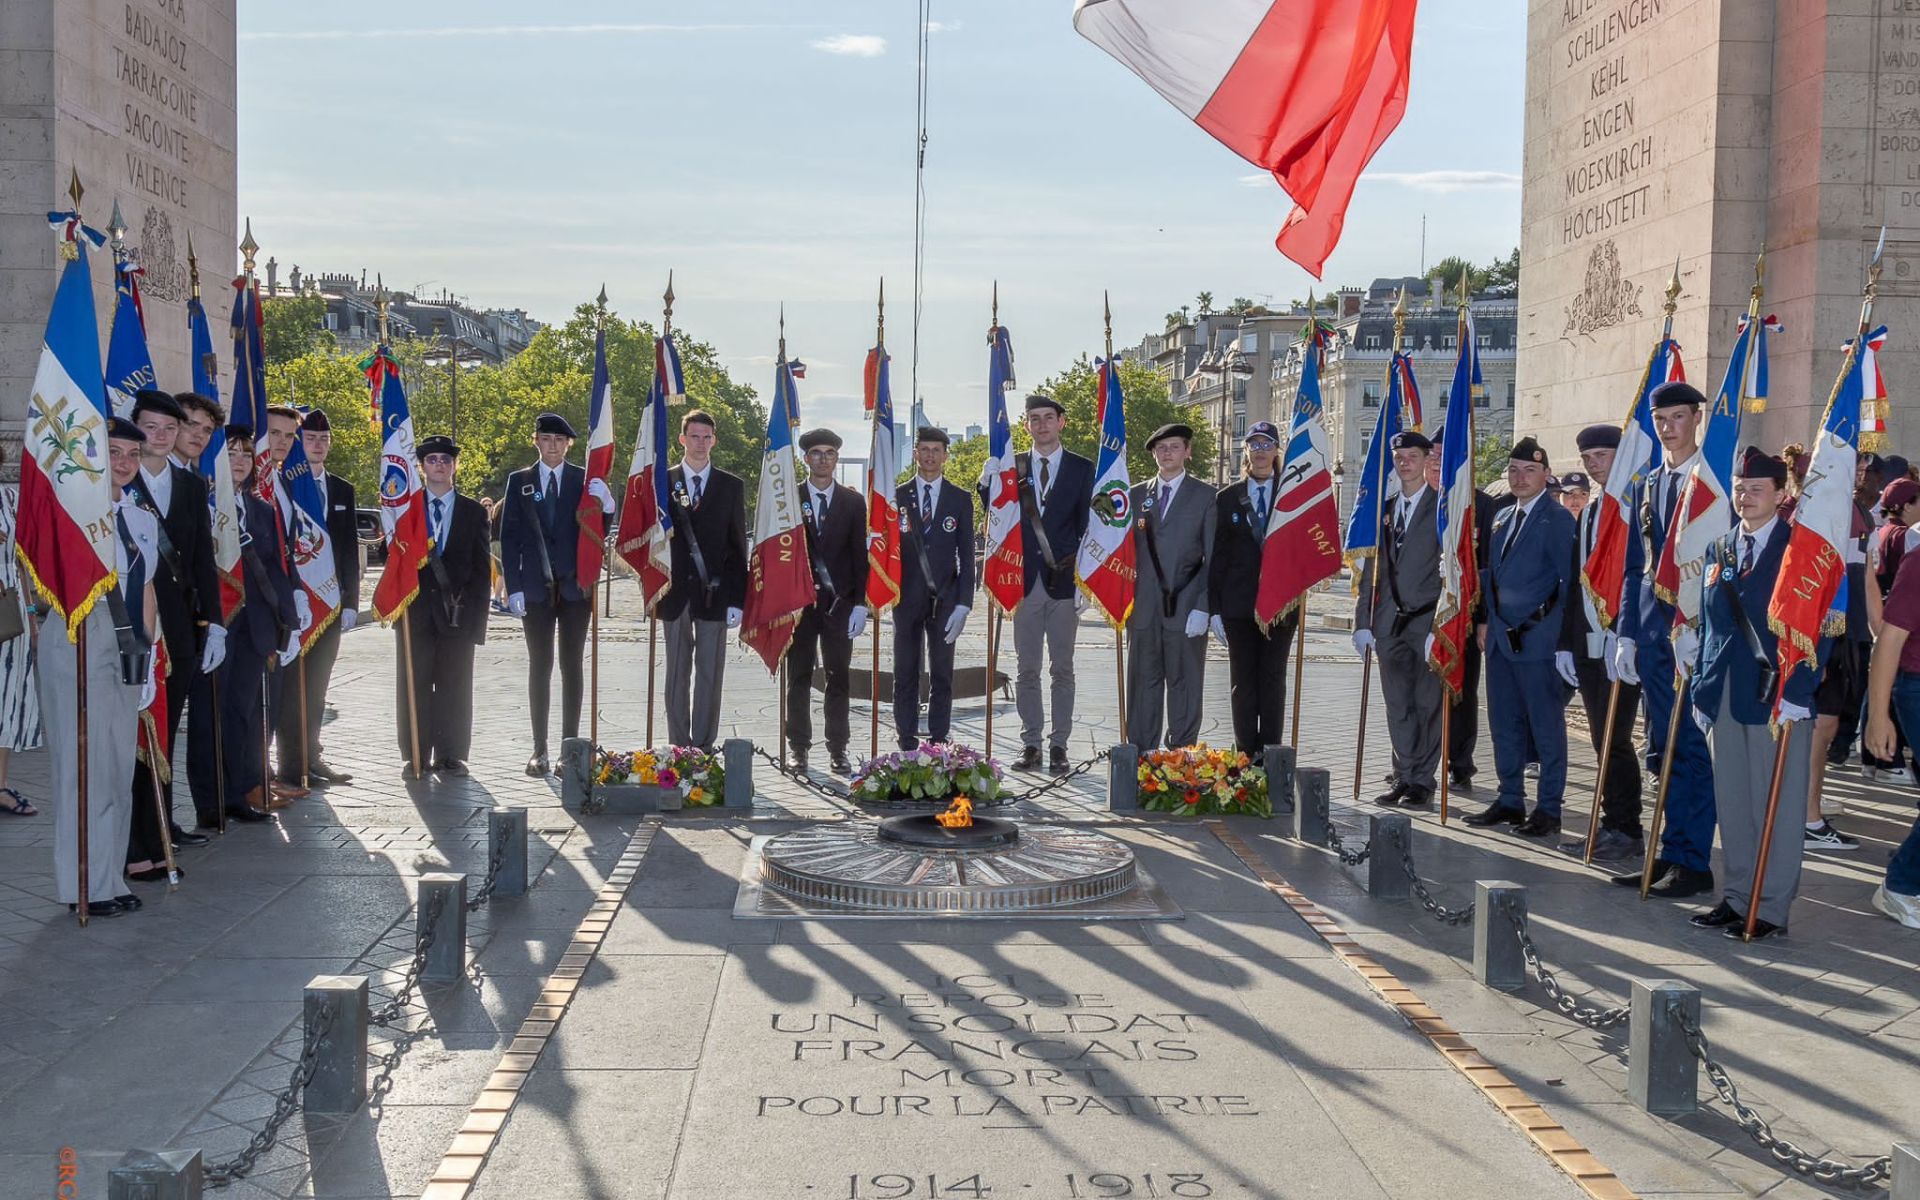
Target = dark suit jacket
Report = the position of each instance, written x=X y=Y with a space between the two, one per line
x=1644 y=615
x=522 y=529
x=949 y=545
x=721 y=525
x=343 y=531
x=1526 y=577
x=186 y=603
x=1069 y=505
x=1727 y=665
x=841 y=548
x=1233 y=566
x=1574 y=625
x=266 y=608
x=469 y=570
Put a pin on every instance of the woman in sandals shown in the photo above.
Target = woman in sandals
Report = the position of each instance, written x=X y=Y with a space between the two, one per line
x=19 y=692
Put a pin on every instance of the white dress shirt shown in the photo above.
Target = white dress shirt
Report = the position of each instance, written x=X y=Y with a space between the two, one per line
x=1053 y=473
x=159 y=486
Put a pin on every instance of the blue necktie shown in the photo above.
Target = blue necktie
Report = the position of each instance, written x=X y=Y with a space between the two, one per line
x=1260 y=507
x=439 y=523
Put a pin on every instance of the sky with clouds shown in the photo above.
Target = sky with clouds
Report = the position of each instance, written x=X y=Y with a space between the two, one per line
x=521 y=155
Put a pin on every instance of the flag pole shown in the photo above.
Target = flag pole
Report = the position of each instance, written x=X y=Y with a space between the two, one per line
x=213 y=677
x=1119 y=651
x=1373 y=597
x=80 y=689
x=159 y=799
x=993 y=644
x=780 y=683
x=593 y=597
x=406 y=615
x=300 y=679
x=652 y=602
x=1666 y=777
x=1449 y=700
x=873 y=680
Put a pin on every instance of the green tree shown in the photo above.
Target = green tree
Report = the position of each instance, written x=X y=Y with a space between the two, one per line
x=1445 y=277
x=291 y=326
x=1148 y=408
x=1504 y=272
x=1490 y=452
x=1205 y=302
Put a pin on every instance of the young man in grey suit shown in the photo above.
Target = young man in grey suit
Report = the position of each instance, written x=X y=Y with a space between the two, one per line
x=1394 y=614
x=1526 y=587
x=1056 y=488
x=1167 y=632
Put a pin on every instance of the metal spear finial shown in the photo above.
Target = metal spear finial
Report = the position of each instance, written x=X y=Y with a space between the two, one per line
x=880 y=316
x=1673 y=287
x=248 y=248
x=600 y=307
x=1400 y=318
x=783 y=331
x=1873 y=264
x=76 y=191
x=996 y=304
x=1464 y=297
x=1760 y=273
x=380 y=305
x=193 y=268
x=117 y=232
x=667 y=296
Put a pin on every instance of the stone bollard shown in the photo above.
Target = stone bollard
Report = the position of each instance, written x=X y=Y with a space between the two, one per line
x=736 y=756
x=576 y=772
x=1123 y=778
x=1906 y=1171
x=339 y=1083
x=1312 y=788
x=1498 y=961
x=1662 y=1075
x=447 y=957
x=1386 y=868
x=1279 y=762
x=156 y=1175
x=507 y=841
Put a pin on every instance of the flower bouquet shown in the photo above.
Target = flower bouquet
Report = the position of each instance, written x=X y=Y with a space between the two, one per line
x=933 y=774
x=1199 y=780
x=697 y=776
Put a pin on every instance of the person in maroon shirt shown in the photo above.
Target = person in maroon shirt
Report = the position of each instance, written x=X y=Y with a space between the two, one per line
x=1893 y=691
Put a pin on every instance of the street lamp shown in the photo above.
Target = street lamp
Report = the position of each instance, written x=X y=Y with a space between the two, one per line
x=454 y=342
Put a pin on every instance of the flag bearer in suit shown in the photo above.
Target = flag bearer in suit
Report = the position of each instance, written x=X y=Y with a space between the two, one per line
x=936 y=589
x=539 y=546
x=1167 y=630
x=709 y=589
x=450 y=615
x=1527 y=585
x=267 y=622
x=1256 y=658
x=1581 y=635
x=343 y=537
x=1645 y=653
x=204 y=416
x=835 y=519
x=1393 y=613
x=1733 y=700
x=1056 y=490
x=186 y=587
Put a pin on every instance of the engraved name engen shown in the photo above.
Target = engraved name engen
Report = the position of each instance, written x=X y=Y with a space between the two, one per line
x=993 y=1046
x=154 y=61
x=1601 y=190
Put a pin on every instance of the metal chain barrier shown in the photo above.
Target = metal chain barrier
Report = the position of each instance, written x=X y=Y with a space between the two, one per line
x=1823 y=1170
x=392 y=1010
x=485 y=891
x=802 y=778
x=1072 y=773
x=1591 y=1017
x=1351 y=858
x=1440 y=912
x=284 y=1105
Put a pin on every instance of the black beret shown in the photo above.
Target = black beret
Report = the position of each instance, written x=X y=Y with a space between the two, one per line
x=1598 y=437
x=1676 y=392
x=1894 y=465
x=552 y=422
x=316 y=421
x=1872 y=461
x=1171 y=430
x=1042 y=400
x=1575 y=479
x=152 y=400
x=1411 y=439
x=239 y=431
x=125 y=430
x=1528 y=450
x=439 y=443
x=819 y=437
x=1758 y=464
x=931 y=433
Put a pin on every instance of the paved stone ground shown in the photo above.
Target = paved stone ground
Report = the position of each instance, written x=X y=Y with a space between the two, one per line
x=173 y=1026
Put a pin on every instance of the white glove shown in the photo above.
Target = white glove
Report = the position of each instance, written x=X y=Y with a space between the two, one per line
x=303 y=608
x=857 y=621
x=1081 y=601
x=1686 y=650
x=1426 y=649
x=597 y=488
x=215 y=652
x=1701 y=719
x=149 y=689
x=1790 y=713
x=1196 y=624
x=348 y=619
x=292 y=650
x=1219 y=628
x=1625 y=668
x=1609 y=645
x=1563 y=663
x=1362 y=641
x=517 y=604
x=733 y=618
x=956 y=621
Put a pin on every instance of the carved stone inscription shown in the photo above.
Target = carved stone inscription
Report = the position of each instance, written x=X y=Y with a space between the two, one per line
x=1605 y=141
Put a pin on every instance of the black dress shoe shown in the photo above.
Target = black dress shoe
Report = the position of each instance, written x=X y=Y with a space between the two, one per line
x=242 y=813
x=1057 y=763
x=181 y=837
x=1682 y=882
x=1462 y=781
x=152 y=875
x=1029 y=759
x=1720 y=914
x=452 y=766
x=326 y=773
x=1632 y=878
x=837 y=759
x=1416 y=796
x=1392 y=796
x=1497 y=814
x=101 y=908
x=537 y=767
x=129 y=902
x=797 y=760
x=1762 y=929
x=1538 y=825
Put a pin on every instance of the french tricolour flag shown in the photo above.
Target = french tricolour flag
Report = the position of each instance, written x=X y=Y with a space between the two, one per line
x=1459 y=570
x=311 y=546
x=1307 y=89
x=1368 y=516
x=1107 y=564
x=403 y=498
x=1705 y=510
x=213 y=463
x=1604 y=574
x=883 y=510
x=1006 y=577
x=591 y=552
x=1302 y=544
x=646 y=516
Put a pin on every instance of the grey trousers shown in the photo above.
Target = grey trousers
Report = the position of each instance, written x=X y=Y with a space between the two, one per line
x=1042 y=621
x=1413 y=695
x=1742 y=773
x=696 y=660
x=111 y=709
x=1165 y=670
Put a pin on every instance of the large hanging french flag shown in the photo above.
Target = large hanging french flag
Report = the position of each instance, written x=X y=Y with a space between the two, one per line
x=1006 y=576
x=223 y=512
x=591 y=551
x=646 y=515
x=129 y=362
x=1604 y=574
x=1302 y=544
x=1307 y=89
x=403 y=497
x=309 y=544
x=65 y=531
x=883 y=507
x=779 y=572
x=1106 y=564
x=1364 y=523
x=1459 y=569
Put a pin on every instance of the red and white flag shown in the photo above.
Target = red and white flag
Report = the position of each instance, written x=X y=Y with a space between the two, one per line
x=1604 y=574
x=646 y=514
x=883 y=509
x=779 y=571
x=591 y=551
x=1006 y=572
x=1302 y=545
x=1307 y=89
x=1459 y=567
